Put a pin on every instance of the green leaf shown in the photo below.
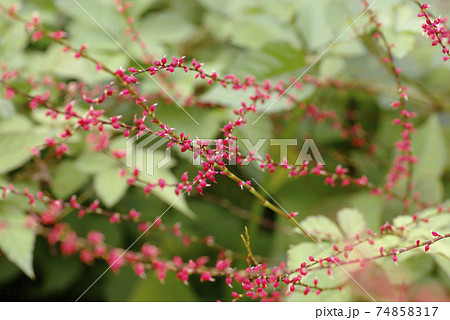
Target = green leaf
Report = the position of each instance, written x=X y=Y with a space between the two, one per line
x=16 y=239
x=344 y=295
x=208 y=122
x=84 y=29
x=94 y=162
x=256 y=30
x=397 y=17
x=331 y=67
x=14 y=39
x=16 y=124
x=67 y=180
x=272 y=60
x=7 y=110
x=348 y=49
x=422 y=230
x=15 y=149
x=366 y=250
x=300 y=253
x=152 y=289
x=443 y=263
x=351 y=221
x=404 y=44
x=407 y=270
x=65 y=66
x=168 y=196
x=370 y=206
x=110 y=186
x=165 y=27
x=336 y=15
x=430 y=147
x=322 y=227
x=233 y=7
x=139 y=7
x=441 y=248
x=430 y=187
x=402 y=220
x=388 y=242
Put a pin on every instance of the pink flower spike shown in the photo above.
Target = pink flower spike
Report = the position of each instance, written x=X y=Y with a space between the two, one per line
x=134 y=214
x=139 y=269
x=115 y=218
x=95 y=237
x=395 y=104
x=228 y=281
x=206 y=276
